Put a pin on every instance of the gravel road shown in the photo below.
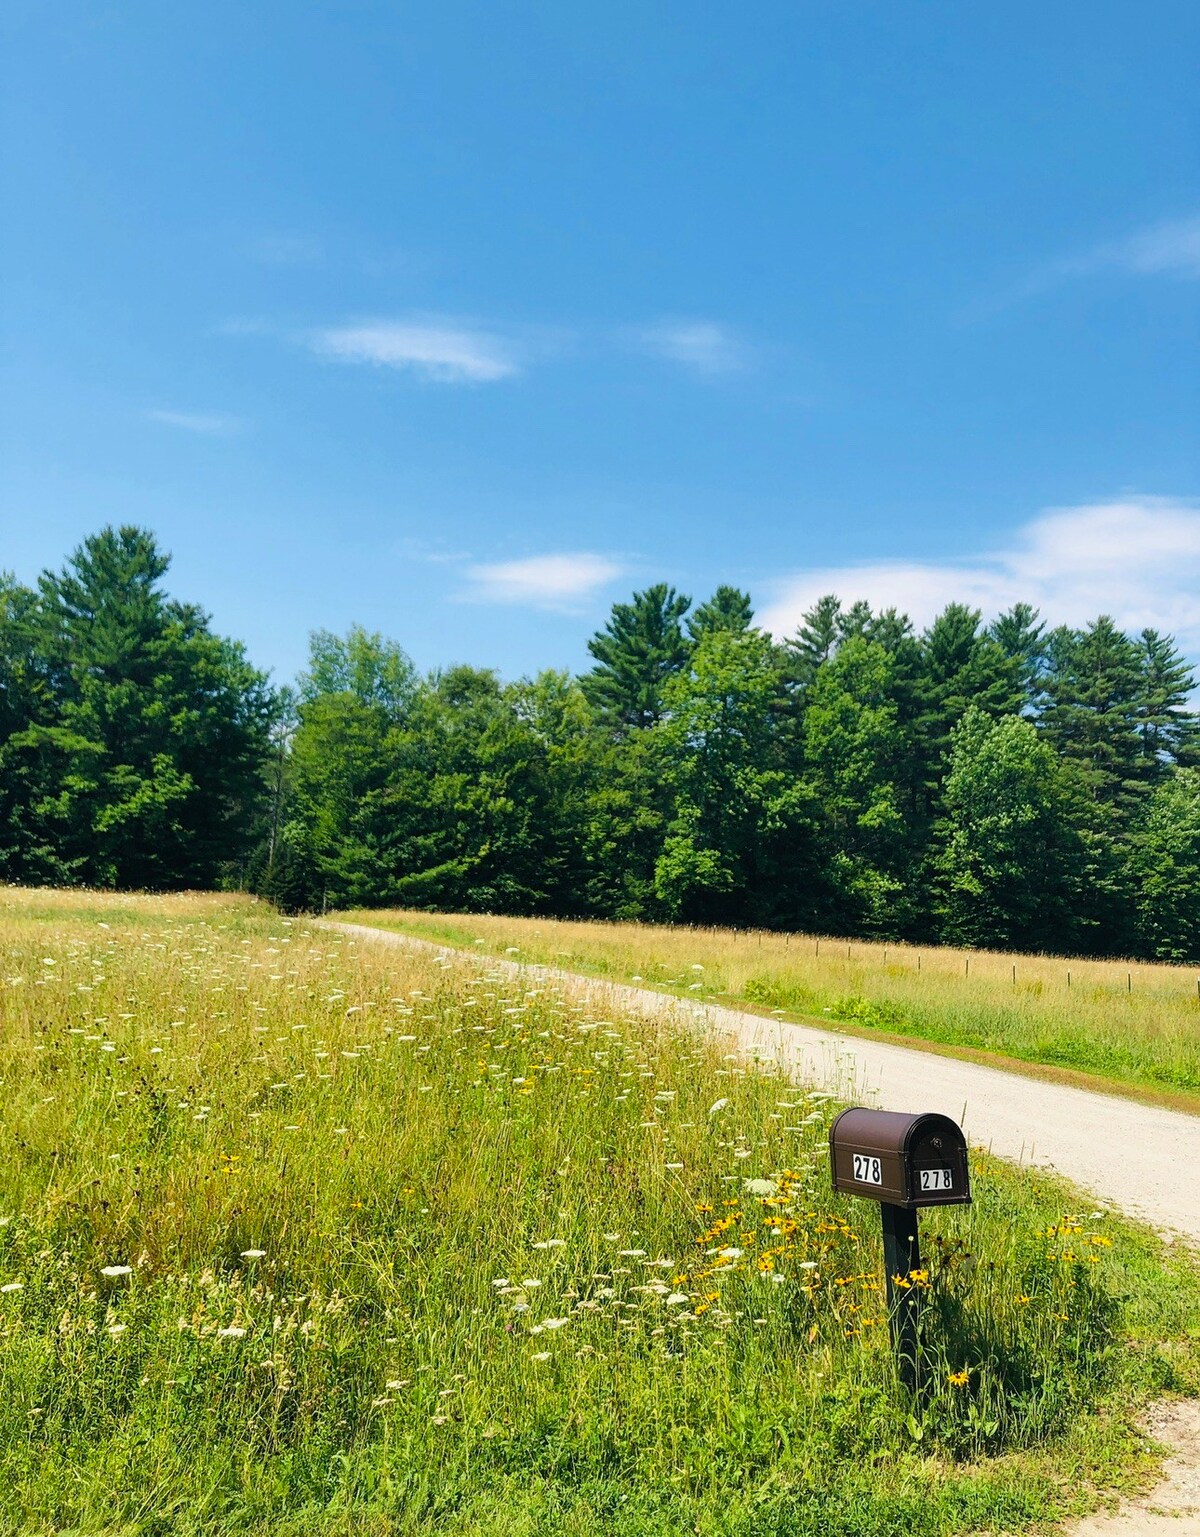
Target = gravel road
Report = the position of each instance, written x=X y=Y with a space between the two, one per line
x=1140 y=1158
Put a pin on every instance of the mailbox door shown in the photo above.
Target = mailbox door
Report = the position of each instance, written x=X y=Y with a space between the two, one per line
x=937 y=1167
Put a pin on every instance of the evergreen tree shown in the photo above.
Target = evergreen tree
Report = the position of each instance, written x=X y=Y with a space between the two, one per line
x=33 y=751
x=816 y=639
x=1168 y=730
x=160 y=726
x=641 y=646
x=1093 y=686
x=959 y=667
x=1022 y=638
x=728 y=610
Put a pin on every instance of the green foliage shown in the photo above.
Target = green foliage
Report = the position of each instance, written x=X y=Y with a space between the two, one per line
x=1166 y=867
x=851 y=738
x=363 y=664
x=135 y=754
x=1012 y=860
x=728 y=610
x=740 y=828
x=989 y=786
x=642 y=645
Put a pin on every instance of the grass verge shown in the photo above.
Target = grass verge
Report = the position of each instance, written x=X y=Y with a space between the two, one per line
x=1115 y=1026
x=300 y=1235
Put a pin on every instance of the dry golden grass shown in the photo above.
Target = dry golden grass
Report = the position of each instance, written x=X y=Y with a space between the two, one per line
x=1125 y=1022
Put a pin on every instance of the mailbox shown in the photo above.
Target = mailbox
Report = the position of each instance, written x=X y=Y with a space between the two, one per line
x=904 y=1160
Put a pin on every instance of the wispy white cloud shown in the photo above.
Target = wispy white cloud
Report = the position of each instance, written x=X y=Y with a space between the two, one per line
x=1173 y=247
x=450 y=352
x=212 y=424
x=542 y=581
x=705 y=346
x=1136 y=559
x=1169 y=249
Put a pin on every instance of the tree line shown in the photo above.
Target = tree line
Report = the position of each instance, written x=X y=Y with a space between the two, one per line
x=1008 y=784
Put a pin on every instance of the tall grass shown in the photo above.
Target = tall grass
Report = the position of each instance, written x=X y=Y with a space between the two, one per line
x=1125 y=1021
x=299 y=1235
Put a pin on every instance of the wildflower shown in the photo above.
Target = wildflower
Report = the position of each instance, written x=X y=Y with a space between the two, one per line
x=254 y=1253
x=676 y=1298
x=541 y=1355
x=114 y=1272
x=12 y=1286
x=717 y=1106
x=232 y=1332
x=554 y=1323
x=759 y=1186
x=959 y=1379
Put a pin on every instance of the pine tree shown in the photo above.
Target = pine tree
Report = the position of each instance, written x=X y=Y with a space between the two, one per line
x=816 y=638
x=161 y=725
x=1169 y=731
x=1093 y=686
x=641 y=646
x=728 y=611
x=959 y=667
x=1022 y=638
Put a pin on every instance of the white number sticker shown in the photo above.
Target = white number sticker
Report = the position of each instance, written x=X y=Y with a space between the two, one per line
x=937 y=1179
x=867 y=1170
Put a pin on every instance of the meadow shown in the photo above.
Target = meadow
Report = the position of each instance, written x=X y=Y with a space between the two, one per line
x=1132 y=1025
x=303 y=1235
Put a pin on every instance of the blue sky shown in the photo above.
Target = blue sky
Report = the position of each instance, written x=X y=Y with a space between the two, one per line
x=463 y=320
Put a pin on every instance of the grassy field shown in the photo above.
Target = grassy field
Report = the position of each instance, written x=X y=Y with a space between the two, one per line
x=304 y=1236
x=1126 y=1023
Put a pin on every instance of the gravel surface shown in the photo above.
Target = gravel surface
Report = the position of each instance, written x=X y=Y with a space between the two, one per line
x=1140 y=1158
x=1172 y=1507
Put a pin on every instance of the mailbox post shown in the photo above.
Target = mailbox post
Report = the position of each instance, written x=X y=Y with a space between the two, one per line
x=904 y=1162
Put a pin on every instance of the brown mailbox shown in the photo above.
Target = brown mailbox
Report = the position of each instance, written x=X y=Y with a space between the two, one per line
x=904 y=1160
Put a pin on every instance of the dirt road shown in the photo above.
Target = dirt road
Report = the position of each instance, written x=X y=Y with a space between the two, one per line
x=1140 y=1158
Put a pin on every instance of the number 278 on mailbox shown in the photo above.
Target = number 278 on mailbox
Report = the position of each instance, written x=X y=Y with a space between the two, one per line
x=867 y=1169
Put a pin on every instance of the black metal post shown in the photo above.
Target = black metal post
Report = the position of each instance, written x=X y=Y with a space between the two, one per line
x=901 y=1256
